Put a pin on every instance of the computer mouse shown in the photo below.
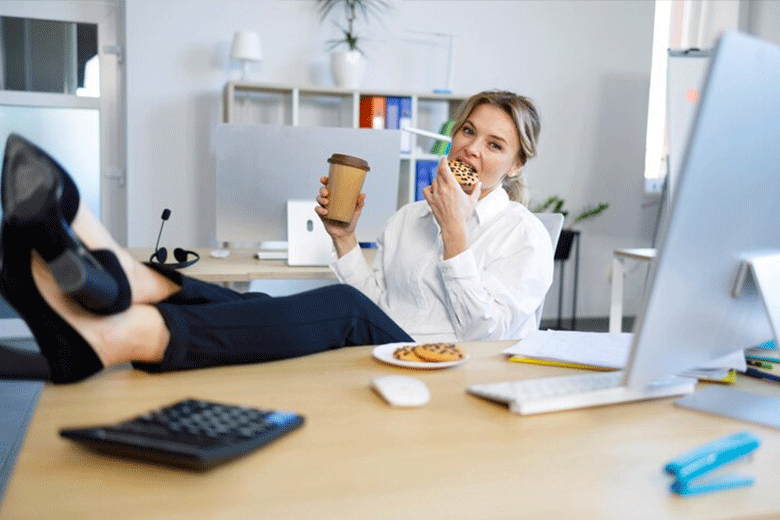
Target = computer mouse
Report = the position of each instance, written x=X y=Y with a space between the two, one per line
x=401 y=390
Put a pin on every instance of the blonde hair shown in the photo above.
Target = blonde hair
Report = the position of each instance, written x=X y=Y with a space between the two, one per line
x=526 y=119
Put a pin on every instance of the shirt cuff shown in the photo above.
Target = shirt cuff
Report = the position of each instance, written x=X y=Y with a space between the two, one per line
x=460 y=266
x=350 y=264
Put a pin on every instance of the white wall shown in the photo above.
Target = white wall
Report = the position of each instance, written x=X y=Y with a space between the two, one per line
x=761 y=18
x=585 y=63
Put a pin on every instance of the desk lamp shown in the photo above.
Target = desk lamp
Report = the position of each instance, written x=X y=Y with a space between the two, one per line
x=246 y=48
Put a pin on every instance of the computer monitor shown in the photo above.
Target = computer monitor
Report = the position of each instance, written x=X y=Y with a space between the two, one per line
x=725 y=206
x=261 y=167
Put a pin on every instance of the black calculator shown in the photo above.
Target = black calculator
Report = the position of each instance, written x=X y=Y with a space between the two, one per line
x=193 y=434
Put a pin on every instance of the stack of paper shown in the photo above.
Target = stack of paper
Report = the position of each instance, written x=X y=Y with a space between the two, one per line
x=604 y=351
x=592 y=350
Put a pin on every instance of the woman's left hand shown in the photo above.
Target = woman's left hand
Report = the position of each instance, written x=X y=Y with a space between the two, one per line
x=451 y=207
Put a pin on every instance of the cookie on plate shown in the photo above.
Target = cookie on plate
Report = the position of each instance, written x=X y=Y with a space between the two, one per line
x=439 y=352
x=465 y=174
x=406 y=354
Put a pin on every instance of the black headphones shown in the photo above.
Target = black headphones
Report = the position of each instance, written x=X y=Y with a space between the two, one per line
x=181 y=256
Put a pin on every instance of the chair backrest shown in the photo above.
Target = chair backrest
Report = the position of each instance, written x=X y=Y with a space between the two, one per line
x=554 y=224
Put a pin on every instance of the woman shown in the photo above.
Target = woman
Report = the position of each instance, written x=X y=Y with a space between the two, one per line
x=90 y=305
x=467 y=263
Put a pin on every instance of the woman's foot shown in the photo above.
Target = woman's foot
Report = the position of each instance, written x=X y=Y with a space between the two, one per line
x=38 y=198
x=138 y=334
x=146 y=284
x=70 y=358
x=75 y=342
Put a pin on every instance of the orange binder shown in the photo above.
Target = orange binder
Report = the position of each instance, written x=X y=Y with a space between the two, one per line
x=372 y=112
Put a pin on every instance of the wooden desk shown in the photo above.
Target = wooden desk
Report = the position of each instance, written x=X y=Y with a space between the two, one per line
x=242 y=266
x=459 y=457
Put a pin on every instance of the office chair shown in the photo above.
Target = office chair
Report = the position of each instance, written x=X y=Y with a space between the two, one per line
x=554 y=224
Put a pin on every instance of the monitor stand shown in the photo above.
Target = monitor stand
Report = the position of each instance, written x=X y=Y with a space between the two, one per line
x=761 y=273
x=763 y=270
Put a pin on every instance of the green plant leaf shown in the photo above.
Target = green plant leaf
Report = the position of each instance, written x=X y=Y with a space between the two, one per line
x=367 y=9
x=349 y=39
x=555 y=204
x=546 y=204
x=590 y=213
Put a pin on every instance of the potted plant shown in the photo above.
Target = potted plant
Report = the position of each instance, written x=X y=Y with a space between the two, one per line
x=348 y=65
x=555 y=204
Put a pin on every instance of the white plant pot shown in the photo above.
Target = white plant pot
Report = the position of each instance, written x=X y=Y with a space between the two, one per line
x=348 y=68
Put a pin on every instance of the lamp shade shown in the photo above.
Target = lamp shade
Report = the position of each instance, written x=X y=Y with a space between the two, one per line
x=246 y=46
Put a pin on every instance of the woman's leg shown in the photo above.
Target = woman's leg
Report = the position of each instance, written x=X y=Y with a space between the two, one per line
x=77 y=342
x=196 y=324
x=263 y=328
x=146 y=284
x=149 y=283
x=248 y=328
x=139 y=333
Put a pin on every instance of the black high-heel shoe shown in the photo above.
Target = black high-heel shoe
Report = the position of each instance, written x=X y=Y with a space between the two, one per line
x=70 y=358
x=39 y=197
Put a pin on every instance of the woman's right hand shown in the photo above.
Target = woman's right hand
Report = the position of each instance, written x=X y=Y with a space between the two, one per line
x=342 y=233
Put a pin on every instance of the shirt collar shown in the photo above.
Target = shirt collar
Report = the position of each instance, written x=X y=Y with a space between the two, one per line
x=492 y=204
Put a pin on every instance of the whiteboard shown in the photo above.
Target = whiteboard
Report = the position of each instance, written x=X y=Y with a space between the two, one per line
x=685 y=78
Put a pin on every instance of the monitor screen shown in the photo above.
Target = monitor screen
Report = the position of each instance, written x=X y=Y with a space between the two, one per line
x=261 y=167
x=725 y=206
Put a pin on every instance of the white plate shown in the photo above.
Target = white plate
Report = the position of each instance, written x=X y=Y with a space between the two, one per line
x=384 y=353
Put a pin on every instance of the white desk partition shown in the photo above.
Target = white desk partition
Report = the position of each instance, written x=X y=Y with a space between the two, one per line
x=261 y=167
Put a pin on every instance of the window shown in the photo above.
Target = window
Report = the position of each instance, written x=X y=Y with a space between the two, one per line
x=60 y=75
x=49 y=56
x=678 y=25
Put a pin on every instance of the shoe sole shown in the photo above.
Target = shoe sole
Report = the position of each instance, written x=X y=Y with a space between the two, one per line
x=32 y=190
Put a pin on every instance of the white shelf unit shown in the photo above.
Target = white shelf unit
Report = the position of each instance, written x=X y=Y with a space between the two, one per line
x=268 y=103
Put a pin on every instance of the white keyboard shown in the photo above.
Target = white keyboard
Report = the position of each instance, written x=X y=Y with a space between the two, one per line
x=530 y=396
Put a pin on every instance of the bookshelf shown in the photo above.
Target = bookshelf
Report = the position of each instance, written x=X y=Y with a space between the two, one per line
x=268 y=103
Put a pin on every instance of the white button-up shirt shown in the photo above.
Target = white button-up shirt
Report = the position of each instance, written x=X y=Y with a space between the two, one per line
x=490 y=291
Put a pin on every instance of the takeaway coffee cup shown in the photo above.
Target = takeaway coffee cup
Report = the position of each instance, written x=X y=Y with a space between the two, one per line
x=345 y=180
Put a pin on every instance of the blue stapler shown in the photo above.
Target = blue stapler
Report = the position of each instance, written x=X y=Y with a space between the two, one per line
x=691 y=469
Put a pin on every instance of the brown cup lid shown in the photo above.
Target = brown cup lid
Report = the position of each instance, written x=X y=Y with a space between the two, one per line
x=348 y=160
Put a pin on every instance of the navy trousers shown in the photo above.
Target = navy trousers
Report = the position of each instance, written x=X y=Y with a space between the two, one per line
x=212 y=325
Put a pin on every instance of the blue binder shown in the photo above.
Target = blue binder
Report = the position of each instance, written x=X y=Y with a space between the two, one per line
x=392 y=113
x=426 y=172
